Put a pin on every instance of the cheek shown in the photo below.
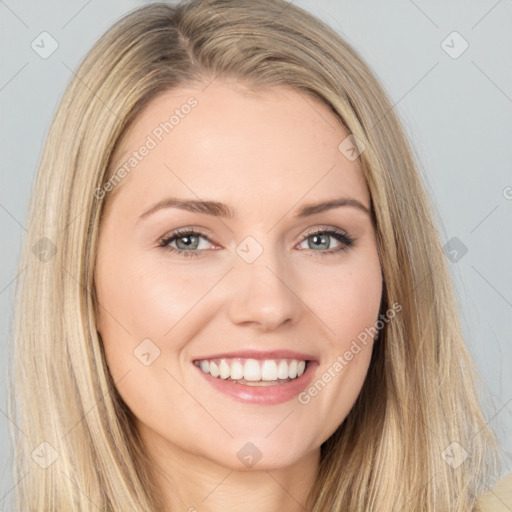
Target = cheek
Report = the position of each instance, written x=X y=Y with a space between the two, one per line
x=346 y=298
x=146 y=308
x=144 y=299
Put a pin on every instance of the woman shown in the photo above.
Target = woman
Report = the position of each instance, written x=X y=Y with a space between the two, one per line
x=235 y=295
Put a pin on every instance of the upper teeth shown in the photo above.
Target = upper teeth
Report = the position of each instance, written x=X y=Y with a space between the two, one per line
x=253 y=369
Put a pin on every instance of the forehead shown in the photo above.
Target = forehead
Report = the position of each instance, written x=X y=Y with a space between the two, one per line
x=229 y=141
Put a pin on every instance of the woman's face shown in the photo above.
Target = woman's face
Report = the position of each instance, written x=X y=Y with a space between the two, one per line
x=265 y=282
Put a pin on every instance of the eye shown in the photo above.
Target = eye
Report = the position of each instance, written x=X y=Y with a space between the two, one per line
x=187 y=242
x=321 y=239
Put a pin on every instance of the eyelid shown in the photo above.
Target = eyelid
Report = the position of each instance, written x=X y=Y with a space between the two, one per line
x=322 y=229
x=347 y=240
x=182 y=232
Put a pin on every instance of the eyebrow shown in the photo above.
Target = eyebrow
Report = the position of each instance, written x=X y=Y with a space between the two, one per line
x=217 y=209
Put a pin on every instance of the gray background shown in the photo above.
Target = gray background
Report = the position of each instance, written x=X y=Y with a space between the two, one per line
x=457 y=110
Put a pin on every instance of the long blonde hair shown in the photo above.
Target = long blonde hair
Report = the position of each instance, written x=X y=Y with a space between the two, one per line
x=75 y=444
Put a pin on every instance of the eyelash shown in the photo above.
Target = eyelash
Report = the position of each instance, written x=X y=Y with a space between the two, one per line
x=346 y=240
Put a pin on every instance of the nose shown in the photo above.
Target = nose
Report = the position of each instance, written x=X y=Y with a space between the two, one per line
x=263 y=293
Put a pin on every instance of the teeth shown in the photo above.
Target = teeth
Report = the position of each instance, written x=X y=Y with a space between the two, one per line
x=237 y=370
x=224 y=369
x=282 y=370
x=214 y=369
x=253 y=370
x=292 y=369
x=269 y=370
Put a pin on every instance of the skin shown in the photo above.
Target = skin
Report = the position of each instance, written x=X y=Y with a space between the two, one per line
x=265 y=153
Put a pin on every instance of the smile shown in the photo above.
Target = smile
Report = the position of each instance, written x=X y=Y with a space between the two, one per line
x=263 y=379
x=254 y=372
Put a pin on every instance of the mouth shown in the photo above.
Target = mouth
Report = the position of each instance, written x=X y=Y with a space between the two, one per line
x=254 y=372
x=262 y=378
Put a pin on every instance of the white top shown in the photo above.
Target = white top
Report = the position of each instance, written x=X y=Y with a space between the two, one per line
x=499 y=498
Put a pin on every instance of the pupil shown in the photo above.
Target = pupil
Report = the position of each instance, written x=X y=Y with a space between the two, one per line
x=318 y=238
x=189 y=239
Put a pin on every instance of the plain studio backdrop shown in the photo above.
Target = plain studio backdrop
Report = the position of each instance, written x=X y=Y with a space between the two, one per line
x=446 y=67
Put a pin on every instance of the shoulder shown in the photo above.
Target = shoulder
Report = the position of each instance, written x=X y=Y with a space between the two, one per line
x=499 y=498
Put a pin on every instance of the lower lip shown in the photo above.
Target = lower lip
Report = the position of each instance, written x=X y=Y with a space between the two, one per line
x=263 y=395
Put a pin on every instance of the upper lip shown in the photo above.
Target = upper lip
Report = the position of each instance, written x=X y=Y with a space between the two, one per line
x=260 y=354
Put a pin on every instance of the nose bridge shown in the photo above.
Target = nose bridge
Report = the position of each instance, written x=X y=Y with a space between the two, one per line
x=262 y=292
